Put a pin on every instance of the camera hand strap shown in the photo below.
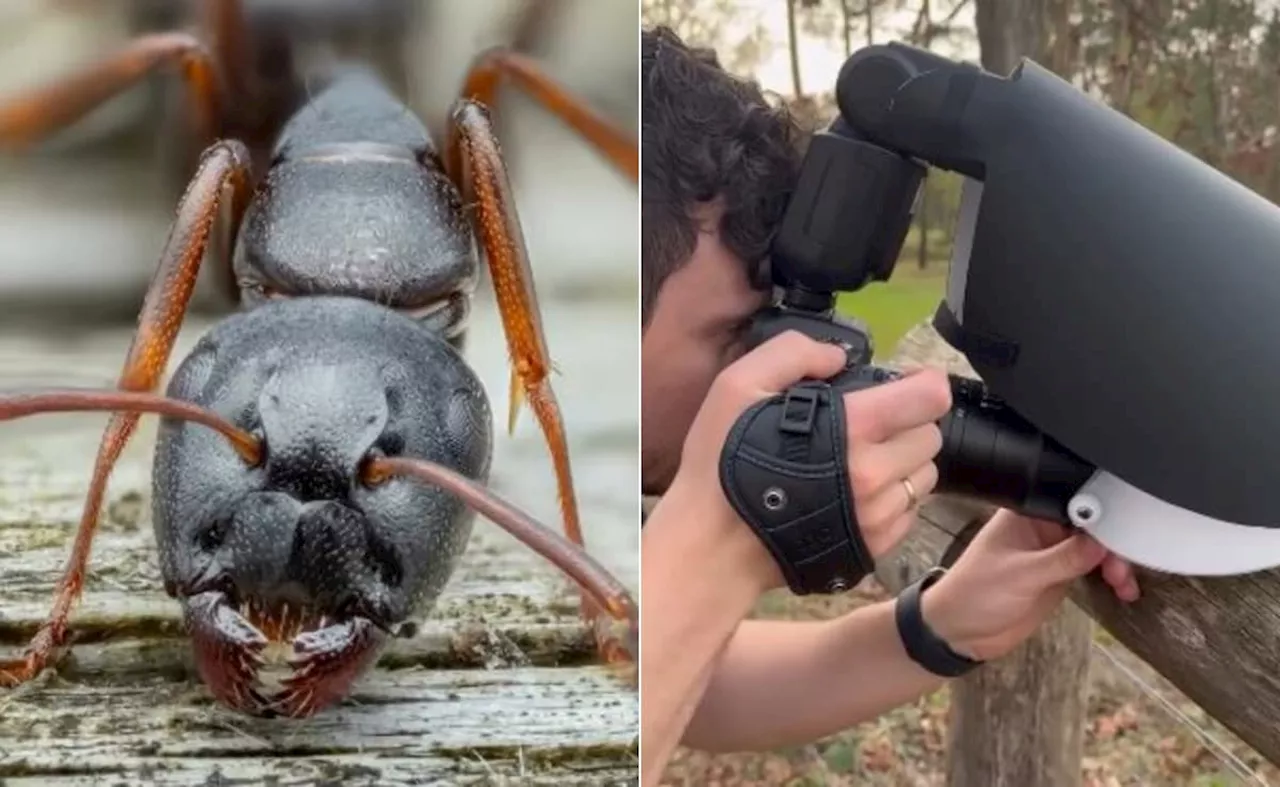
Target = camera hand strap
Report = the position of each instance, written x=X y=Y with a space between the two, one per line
x=784 y=470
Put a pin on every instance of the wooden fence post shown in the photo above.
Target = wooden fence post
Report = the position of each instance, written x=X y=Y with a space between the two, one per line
x=1018 y=721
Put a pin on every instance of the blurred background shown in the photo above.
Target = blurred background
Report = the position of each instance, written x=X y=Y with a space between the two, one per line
x=1204 y=74
x=84 y=216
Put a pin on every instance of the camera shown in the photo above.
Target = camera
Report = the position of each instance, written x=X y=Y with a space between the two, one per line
x=1094 y=264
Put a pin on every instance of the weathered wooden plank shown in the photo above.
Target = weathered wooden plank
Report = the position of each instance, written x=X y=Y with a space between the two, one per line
x=430 y=725
x=1215 y=639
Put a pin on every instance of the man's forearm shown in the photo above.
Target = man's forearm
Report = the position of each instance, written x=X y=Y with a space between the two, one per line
x=695 y=594
x=781 y=683
x=655 y=754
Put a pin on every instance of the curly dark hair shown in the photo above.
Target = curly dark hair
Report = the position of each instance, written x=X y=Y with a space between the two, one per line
x=707 y=134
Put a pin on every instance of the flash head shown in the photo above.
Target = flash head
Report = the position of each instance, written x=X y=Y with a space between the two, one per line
x=854 y=200
x=848 y=217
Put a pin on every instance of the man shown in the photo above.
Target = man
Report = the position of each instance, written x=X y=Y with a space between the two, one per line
x=718 y=166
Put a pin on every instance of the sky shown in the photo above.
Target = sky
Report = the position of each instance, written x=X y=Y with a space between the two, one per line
x=820 y=60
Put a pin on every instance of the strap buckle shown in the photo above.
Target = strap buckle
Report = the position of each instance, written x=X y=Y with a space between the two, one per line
x=799 y=410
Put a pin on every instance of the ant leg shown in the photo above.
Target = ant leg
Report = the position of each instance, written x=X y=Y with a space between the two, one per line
x=27 y=118
x=485 y=185
x=223 y=164
x=484 y=79
x=232 y=44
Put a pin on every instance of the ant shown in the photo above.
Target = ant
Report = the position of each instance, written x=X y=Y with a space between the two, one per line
x=323 y=450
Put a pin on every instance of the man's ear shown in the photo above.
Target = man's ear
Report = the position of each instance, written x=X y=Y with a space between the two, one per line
x=707 y=217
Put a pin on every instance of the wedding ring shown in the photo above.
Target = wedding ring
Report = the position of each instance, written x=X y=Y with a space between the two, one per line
x=911 y=493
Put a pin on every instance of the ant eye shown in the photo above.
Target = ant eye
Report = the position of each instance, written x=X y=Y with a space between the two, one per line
x=211 y=537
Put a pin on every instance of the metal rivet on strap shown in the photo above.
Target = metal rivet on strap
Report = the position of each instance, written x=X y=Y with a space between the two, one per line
x=775 y=499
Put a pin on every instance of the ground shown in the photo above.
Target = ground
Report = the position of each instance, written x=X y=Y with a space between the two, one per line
x=1140 y=728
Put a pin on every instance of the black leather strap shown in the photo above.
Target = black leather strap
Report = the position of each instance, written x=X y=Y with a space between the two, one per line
x=923 y=646
x=784 y=469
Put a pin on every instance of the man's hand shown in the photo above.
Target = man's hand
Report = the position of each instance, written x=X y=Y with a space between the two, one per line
x=1010 y=579
x=892 y=435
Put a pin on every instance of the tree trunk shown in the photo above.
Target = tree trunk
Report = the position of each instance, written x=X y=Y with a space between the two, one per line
x=1019 y=721
x=1061 y=46
x=846 y=27
x=1009 y=30
x=793 y=39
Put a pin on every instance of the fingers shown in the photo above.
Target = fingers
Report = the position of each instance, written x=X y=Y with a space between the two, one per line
x=879 y=413
x=880 y=540
x=1119 y=574
x=1070 y=559
x=874 y=465
x=784 y=360
x=1047 y=533
x=893 y=435
x=892 y=501
x=1115 y=570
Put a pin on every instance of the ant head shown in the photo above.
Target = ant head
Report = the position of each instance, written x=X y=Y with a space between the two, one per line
x=301 y=547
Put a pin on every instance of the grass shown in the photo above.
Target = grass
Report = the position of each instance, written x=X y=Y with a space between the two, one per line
x=892 y=308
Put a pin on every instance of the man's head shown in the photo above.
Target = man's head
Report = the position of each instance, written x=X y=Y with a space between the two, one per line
x=719 y=163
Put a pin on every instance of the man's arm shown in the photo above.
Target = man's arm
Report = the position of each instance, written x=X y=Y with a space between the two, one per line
x=783 y=683
x=779 y=683
x=695 y=592
x=702 y=569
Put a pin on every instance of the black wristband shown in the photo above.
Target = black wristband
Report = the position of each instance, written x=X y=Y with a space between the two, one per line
x=923 y=646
